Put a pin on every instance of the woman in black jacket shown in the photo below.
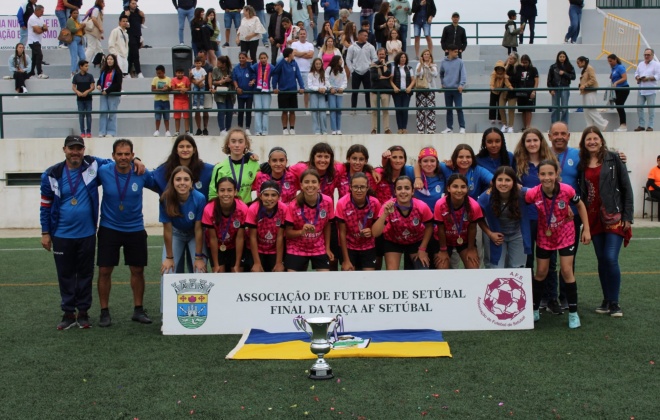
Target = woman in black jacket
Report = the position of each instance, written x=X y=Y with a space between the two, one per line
x=200 y=31
x=109 y=84
x=606 y=191
x=560 y=75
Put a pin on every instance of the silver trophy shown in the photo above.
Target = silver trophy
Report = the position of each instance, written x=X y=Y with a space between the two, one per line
x=320 y=342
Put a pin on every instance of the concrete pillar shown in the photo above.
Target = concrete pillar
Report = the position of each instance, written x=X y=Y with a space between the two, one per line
x=558 y=19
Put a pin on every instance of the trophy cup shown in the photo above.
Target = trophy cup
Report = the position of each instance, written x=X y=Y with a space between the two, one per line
x=320 y=343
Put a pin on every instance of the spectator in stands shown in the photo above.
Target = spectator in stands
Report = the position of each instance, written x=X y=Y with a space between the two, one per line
x=653 y=181
x=647 y=76
x=424 y=12
x=118 y=44
x=264 y=71
x=301 y=11
x=528 y=17
x=371 y=38
x=588 y=87
x=367 y=10
x=93 y=38
x=380 y=23
x=381 y=74
x=232 y=10
x=161 y=85
x=393 y=45
x=23 y=15
x=303 y=53
x=244 y=79
x=330 y=11
x=109 y=84
x=76 y=47
x=454 y=34
x=499 y=87
x=336 y=78
x=402 y=82
x=526 y=76
x=509 y=99
x=340 y=24
x=258 y=6
x=401 y=10
x=247 y=35
x=316 y=82
x=224 y=99
x=325 y=33
x=348 y=38
x=185 y=10
x=135 y=21
x=202 y=117
x=180 y=87
x=560 y=76
x=426 y=73
x=200 y=32
x=276 y=30
x=63 y=11
x=346 y=4
x=327 y=51
x=197 y=77
x=619 y=80
x=285 y=78
x=511 y=32
x=575 y=15
x=19 y=66
x=358 y=59
x=214 y=29
x=83 y=85
x=453 y=77
x=36 y=27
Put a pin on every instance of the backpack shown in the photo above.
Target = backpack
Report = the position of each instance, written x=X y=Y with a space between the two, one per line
x=99 y=60
x=270 y=8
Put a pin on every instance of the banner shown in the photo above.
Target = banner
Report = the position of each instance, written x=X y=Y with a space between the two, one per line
x=445 y=300
x=10 y=33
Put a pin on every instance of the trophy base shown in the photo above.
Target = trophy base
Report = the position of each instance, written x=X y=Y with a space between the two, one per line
x=320 y=374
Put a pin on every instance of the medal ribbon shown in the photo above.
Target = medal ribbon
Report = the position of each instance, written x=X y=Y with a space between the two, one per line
x=316 y=218
x=458 y=226
x=366 y=215
x=226 y=230
x=563 y=160
x=72 y=186
x=264 y=213
x=548 y=212
x=233 y=173
x=122 y=192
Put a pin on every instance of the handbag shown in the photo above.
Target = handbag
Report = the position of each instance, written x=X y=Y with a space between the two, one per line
x=65 y=36
x=89 y=25
x=522 y=94
x=423 y=79
x=609 y=219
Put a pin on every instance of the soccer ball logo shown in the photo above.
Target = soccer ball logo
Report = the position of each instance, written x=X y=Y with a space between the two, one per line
x=505 y=298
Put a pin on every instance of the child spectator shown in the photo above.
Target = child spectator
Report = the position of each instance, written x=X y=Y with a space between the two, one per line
x=181 y=84
x=499 y=84
x=83 y=85
x=393 y=44
x=244 y=79
x=285 y=77
x=511 y=32
x=161 y=83
x=198 y=74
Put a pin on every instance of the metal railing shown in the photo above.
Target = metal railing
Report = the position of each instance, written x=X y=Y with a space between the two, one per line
x=628 y=4
x=476 y=25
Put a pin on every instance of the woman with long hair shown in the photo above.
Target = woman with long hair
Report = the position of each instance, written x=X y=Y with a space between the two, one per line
x=248 y=34
x=380 y=73
x=76 y=47
x=238 y=165
x=317 y=84
x=214 y=29
x=223 y=88
x=265 y=221
x=607 y=193
x=426 y=70
x=588 y=88
x=93 y=38
x=109 y=84
x=526 y=76
x=509 y=99
x=200 y=32
x=493 y=152
x=619 y=80
x=464 y=162
x=263 y=71
x=402 y=87
x=335 y=74
x=19 y=65
x=560 y=76
x=328 y=51
x=324 y=34
x=380 y=24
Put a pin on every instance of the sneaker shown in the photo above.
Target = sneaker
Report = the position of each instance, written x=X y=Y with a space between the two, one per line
x=446 y=131
x=579 y=109
x=105 y=320
x=168 y=134
x=509 y=130
x=266 y=44
x=101 y=135
x=504 y=128
x=622 y=128
x=334 y=133
x=226 y=44
x=420 y=131
x=223 y=133
x=537 y=315
x=24 y=89
x=194 y=107
x=140 y=315
x=604 y=308
x=564 y=304
x=308 y=113
x=62 y=47
x=285 y=131
x=293 y=132
x=68 y=321
x=176 y=134
x=156 y=133
x=543 y=304
x=573 y=320
x=553 y=307
x=140 y=76
x=42 y=76
x=461 y=131
x=83 y=320
x=44 y=63
x=198 y=132
x=615 y=310
x=339 y=133
x=649 y=128
x=205 y=132
x=430 y=132
x=247 y=131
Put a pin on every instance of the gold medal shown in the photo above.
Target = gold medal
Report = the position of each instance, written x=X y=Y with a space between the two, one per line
x=548 y=232
x=459 y=241
x=121 y=207
x=223 y=248
x=74 y=201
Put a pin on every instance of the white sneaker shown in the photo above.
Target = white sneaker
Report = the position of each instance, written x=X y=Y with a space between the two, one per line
x=446 y=131
x=140 y=76
x=127 y=76
x=334 y=133
x=247 y=131
x=509 y=130
x=339 y=133
x=25 y=89
x=223 y=133
x=194 y=107
x=622 y=128
x=63 y=47
x=156 y=133
x=42 y=76
x=503 y=129
x=327 y=112
x=285 y=131
x=308 y=113
x=292 y=131
x=461 y=131
x=493 y=122
x=168 y=134
x=144 y=26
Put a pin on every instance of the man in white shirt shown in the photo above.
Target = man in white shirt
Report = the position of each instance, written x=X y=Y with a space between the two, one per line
x=118 y=44
x=36 y=28
x=303 y=53
x=647 y=75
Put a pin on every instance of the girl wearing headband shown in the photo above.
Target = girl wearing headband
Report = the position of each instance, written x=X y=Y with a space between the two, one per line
x=276 y=170
x=265 y=222
x=431 y=177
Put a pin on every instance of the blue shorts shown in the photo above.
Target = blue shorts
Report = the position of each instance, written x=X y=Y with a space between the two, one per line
x=162 y=106
x=418 y=29
x=232 y=16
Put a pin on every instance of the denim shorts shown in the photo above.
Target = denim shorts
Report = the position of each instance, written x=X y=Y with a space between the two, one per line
x=418 y=29
x=232 y=16
x=162 y=106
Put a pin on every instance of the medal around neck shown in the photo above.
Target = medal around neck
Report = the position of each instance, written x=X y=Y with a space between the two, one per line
x=320 y=341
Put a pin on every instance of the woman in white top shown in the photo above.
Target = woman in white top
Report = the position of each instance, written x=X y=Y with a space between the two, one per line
x=426 y=73
x=336 y=80
x=247 y=35
x=318 y=84
x=94 y=30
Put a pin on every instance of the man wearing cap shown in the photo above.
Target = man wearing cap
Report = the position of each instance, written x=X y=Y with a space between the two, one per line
x=68 y=216
x=454 y=34
x=276 y=31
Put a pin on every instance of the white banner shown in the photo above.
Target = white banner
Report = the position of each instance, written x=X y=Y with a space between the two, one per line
x=10 y=33
x=449 y=300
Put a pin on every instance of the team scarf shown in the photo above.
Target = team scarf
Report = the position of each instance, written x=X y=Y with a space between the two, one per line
x=263 y=76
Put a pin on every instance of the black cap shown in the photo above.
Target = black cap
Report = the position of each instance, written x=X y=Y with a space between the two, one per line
x=74 y=141
x=455 y=14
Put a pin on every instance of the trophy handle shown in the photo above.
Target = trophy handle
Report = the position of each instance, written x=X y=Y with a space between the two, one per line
x=339 y=326
x=301 y=325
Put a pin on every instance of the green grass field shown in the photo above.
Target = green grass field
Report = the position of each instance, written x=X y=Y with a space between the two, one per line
x=604 y=370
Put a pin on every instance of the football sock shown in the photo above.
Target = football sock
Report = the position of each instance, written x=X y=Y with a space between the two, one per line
x=537 y=292
x=572 y=296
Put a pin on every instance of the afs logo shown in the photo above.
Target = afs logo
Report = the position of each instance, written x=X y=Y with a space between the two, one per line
x=192 y=297
x=505 y=298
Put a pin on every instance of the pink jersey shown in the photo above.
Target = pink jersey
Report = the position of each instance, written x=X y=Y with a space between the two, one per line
x=406 y=230
x=225 y=228
x=456 y=224
x=313 y=243
x=344 y=181
x=267 y=226
x=288 y=184
x=356 y=219
x=327 y=185
x=384 y=190
x=562 y=230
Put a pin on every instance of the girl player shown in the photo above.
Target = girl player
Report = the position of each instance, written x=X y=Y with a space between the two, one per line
x=464 y=162
x=356 y=213
x=278 y=173
x=407 y=225
x=357 y=158
x=394 y=165
x=456 y=215
x=308 y=226
x=224 y=218
x=238 y=165
x=556 y=232
x=264 y=220
x=430 y=184
x=493 y=152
